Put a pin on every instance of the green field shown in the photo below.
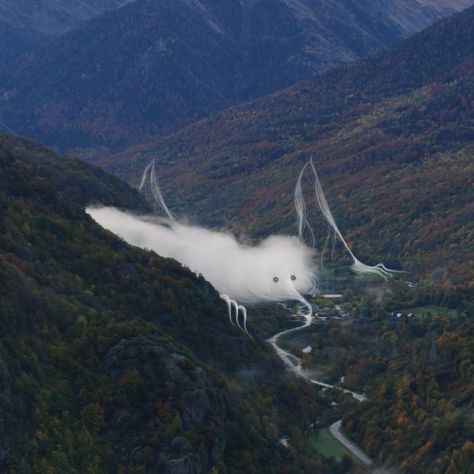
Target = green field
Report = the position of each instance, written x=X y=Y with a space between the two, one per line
x=328 y=446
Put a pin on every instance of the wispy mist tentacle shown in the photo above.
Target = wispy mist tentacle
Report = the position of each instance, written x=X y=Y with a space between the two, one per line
x=321 y=257
x=299 y=297
x=244 y=317
x=155 y=190
x=144 y=176
x=235 y=305
x=300 y=207
x=380 y=269
x=229 y=307
x=333 y=249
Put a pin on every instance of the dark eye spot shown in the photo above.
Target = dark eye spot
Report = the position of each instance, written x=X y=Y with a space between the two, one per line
x=293 y=278
x=275 y=279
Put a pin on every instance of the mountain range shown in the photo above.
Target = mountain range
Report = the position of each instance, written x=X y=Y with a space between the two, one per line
x=113 y=359
x=391 y=136
x=23 y=25
x=153 y=66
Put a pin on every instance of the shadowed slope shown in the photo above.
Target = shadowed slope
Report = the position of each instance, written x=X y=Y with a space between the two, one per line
x=152 y=67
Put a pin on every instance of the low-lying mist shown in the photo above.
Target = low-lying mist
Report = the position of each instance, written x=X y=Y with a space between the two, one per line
x=278 y=268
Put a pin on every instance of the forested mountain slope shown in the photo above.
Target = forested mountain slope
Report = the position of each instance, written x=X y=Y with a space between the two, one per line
x=153 y=66
x=113 y=359
x=52 y=17
x=24 y=24
x=418 y=373
x=15 y=40
x=76 y=182
x=392 y=137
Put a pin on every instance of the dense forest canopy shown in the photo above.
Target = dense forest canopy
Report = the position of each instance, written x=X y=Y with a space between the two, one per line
x=115 y=358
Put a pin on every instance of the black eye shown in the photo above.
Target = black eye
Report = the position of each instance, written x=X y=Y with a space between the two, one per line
x=293 y=277
x=275 y=279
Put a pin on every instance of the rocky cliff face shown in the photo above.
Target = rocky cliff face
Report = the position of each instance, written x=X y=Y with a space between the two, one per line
x=183 y=399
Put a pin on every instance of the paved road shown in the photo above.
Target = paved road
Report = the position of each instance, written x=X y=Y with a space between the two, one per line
x=335 y=430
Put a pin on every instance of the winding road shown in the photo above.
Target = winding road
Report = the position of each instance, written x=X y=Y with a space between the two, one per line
x=294 y=364
x=335 y=430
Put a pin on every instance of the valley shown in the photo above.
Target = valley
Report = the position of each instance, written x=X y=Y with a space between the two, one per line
x=195 y=196
x=293 y=363
x=330 y=349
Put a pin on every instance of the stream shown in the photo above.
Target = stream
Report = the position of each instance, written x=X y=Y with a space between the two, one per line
x=294 y=364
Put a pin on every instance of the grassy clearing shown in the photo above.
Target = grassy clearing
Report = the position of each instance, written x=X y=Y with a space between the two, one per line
x=328 y=446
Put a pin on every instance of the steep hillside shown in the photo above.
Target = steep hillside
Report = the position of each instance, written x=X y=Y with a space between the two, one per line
x=76 y=182
x=460 y=4
x=15 y=41
x=25 y=24
x=417 y=373
x=392 y=137
x=113 y=359
x=52 y=17
x=416 y=416
x=151 y=67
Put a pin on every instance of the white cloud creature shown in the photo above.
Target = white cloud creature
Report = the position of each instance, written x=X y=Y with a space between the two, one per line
x=278 y=268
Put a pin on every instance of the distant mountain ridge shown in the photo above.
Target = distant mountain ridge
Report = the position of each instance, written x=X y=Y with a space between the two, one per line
x=25 y=24
x=52 y=17
x=153 y=66
x=392 y=137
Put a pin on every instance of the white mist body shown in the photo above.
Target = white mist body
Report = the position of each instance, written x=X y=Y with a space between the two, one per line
x=278 y=268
